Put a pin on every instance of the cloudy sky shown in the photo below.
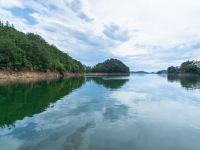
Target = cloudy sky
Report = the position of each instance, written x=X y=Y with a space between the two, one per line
x=145 y=34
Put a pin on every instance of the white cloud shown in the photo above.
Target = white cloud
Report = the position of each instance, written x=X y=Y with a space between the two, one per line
x=10 y=3
x=156 y=29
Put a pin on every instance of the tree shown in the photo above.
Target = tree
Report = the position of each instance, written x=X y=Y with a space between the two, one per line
x=111 y=66
x=19 y=51
x=189 y=67
x=172 y=70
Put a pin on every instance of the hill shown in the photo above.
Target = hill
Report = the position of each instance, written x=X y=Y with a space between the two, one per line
x=30 y=52
x=188 y=67
x=111 y=66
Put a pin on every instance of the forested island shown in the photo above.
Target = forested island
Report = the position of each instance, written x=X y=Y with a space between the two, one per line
x=188 y=67
x=109 y=66
x=23 y=54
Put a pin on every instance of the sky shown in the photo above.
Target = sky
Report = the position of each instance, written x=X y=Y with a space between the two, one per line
x=146 y=35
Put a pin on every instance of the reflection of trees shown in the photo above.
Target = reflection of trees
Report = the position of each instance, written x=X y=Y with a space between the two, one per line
x=20 y=100
x=110 y=83
x=189 y=82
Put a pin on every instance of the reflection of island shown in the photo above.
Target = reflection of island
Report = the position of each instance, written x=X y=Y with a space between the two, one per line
x=110 y=83
x=20 y=100
x=189 y=82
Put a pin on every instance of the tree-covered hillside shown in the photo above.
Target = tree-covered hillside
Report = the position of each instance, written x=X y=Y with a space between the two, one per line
x=20 y=51
x=111 y=66
x=189 y=67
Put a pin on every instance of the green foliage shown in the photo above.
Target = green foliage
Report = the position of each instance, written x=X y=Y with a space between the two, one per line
x=162 y=72
x=88 y=69
x=186 y=67
x=172 y=70
x=186 y=81
x=111 y=66
x=20 y=100
x=189 y=67
x=19 y=51
x=109 y=83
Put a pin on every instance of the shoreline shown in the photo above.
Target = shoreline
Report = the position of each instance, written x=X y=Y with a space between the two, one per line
x=32 y=76
x=183 y=74
x=25 y=75
x=36 y=76
x=107 y=74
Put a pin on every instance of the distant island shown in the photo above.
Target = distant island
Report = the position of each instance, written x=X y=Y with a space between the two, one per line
x=186 y=68
x=109 y=66
x=30 y=56
x=162 y=72
x=140 y=72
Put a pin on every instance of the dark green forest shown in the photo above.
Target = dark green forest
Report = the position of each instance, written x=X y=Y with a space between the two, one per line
x=188 y=82
x=188 y=67
x=110 y=66
x=108 y=83
x=20 y=100
x=30 y=52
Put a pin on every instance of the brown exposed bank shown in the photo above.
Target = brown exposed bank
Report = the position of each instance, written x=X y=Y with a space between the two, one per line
x=33 y=75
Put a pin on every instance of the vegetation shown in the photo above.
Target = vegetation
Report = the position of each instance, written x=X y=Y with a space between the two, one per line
x=19 y=52
x=109 y=83
x=142 y=72
x=172 y=70
x=188 y=82
x=162 y=72
x=189 y=67
x=20 y=100
x=110 y=66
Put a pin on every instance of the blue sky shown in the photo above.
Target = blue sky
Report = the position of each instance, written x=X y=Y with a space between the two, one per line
x=146 y=35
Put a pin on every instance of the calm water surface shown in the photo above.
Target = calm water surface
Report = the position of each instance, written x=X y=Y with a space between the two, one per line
x=139 y=112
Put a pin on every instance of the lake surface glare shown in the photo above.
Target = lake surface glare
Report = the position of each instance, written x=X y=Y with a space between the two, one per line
x=137 y=112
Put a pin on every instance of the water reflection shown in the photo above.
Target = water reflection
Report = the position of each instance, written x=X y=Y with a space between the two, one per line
x=109 y=82
x=75 y=141
x=140 y=113
x=21 y=100
x=188 y=82
x=115 y=112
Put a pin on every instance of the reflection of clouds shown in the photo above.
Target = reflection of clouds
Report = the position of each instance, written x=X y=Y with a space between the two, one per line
x=174 y=109
x=75 y=140
x=115 y=112
x=196 y=94
x=181 y=113
x=171 y=112
x=10 y=143
x=96 y=114
x=72 y=110
x=128 y=97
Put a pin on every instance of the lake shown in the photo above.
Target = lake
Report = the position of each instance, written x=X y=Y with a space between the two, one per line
x=137 y=112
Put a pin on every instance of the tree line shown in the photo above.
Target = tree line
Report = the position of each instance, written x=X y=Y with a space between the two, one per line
x=30 y=52
x=109 y=66
x=190 y=67
x=20 y=51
